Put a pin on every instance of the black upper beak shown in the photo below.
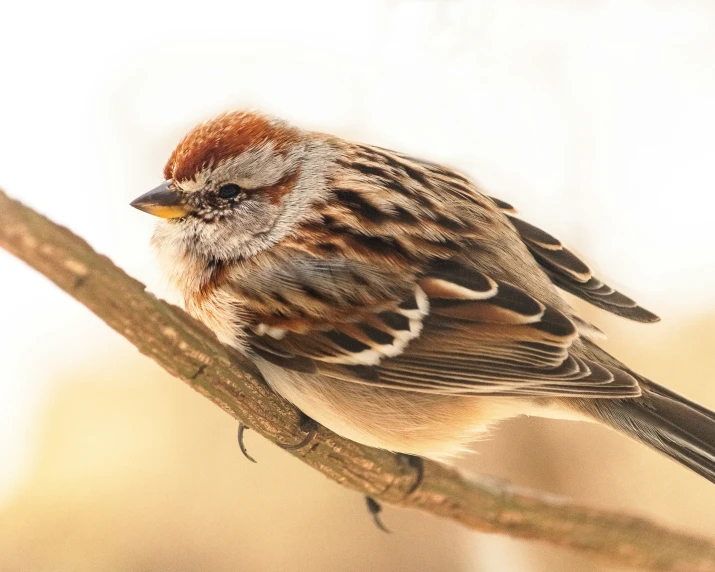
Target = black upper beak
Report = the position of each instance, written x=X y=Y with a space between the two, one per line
x=163 y=202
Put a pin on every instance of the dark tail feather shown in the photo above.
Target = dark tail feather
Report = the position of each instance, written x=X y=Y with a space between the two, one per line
x=664 y=420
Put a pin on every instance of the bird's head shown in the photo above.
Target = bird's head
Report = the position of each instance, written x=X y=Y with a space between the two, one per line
x=237 y=184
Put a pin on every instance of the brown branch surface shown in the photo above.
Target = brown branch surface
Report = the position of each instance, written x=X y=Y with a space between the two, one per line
x=189 y=351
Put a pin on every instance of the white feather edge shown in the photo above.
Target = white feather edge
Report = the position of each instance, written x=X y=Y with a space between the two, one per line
x=462 y=292
x=374 y=355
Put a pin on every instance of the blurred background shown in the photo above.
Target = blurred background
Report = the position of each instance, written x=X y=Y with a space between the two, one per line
x=594 y=118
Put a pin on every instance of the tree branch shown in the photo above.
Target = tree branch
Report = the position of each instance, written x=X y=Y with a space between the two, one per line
x=189 y=351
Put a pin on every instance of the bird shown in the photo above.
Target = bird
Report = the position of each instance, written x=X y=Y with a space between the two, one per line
x=393 y=301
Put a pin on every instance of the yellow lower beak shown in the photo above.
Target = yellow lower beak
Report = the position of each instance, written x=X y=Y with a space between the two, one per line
x=163 y=202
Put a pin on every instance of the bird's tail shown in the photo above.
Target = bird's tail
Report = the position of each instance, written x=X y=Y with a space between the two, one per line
x=667 y=422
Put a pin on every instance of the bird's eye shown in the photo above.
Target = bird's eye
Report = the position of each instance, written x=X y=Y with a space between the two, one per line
x=229 y=191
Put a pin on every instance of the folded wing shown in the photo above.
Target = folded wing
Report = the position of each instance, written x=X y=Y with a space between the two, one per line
x=570 y=273
x=460 y=333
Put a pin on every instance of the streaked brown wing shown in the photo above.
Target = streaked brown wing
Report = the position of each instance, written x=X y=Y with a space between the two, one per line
x=570 y=273
x=566 y=270
x=461 y=333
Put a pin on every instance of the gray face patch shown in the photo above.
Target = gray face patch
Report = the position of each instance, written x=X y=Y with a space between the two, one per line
x=240 y=229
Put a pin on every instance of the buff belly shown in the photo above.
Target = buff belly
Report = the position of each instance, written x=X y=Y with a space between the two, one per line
x=425 y=424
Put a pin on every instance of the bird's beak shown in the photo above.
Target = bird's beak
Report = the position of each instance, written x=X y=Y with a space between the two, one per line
x=163 y=202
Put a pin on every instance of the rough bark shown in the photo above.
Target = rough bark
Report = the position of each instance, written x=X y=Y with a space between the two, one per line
x=190 y=352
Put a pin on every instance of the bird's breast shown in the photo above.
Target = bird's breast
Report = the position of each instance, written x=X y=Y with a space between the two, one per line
x=203 y=284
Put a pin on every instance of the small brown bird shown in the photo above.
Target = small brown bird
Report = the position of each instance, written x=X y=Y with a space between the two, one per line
x=391 y=300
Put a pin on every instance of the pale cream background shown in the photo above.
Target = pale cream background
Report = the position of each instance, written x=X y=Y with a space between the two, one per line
x=595 y=118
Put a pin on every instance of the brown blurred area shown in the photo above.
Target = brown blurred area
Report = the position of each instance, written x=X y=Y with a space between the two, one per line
x=134 y=471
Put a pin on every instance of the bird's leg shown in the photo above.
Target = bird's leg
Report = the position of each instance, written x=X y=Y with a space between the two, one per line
x=418 y=464
x=241 y=429
x=374 y=509
x=307 y=425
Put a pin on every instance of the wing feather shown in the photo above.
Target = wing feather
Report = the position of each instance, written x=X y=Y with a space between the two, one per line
x=460 y=333
x=570 y=273
x=387 y=299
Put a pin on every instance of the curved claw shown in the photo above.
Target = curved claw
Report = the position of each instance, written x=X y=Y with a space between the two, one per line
x=374 y=509
x=241 y=429
x=418 y=464
x=312 y=429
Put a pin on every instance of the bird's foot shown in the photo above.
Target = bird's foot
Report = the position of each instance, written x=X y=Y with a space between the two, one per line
x=374 y=508
x=241 y=429
x=310 y=428
x=418 y=464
